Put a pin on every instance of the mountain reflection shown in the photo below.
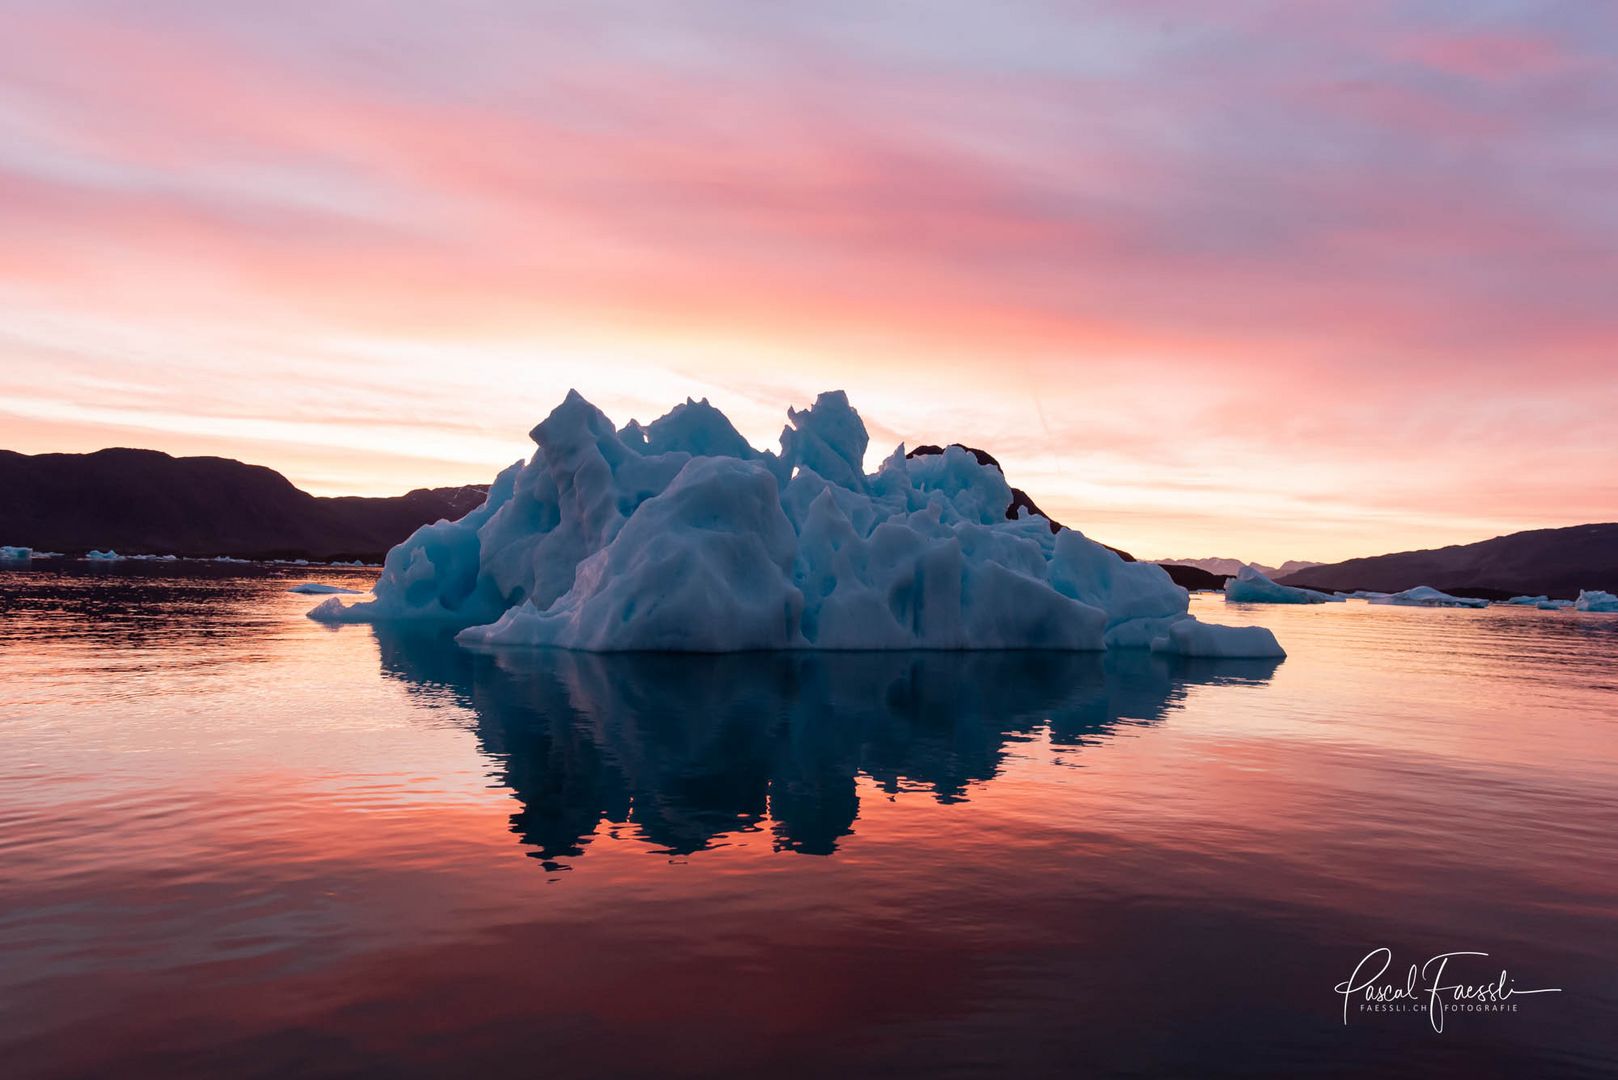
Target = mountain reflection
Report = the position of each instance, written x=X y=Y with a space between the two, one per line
x=690 y=749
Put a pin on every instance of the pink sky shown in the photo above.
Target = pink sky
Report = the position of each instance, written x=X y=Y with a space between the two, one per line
x=1285 y=281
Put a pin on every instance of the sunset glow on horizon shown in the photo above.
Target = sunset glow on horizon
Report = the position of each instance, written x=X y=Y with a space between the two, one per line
x=1285 y=282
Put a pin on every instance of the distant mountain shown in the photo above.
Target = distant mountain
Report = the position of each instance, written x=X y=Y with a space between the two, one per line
x=1231 y=567
x=1194 y=577
x=144 y=501
x=1221 y=567
x=1553 y=562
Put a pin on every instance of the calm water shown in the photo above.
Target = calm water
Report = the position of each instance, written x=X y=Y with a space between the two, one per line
x=233 y=841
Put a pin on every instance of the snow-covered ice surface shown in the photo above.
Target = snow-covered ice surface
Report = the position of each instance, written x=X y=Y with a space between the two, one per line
x=1426 y=596
x=1595 y=600
x=316 y=588
x=678 y=535
x=1188 y=637
x=1249 y=586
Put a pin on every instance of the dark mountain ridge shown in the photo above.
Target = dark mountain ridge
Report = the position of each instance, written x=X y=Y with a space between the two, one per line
x=1554 y=562
x=147 y=502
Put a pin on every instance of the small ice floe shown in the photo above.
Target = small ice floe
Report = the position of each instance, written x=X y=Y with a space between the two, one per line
x=315 y=588
x=1543 y=603
x=1249 y=586
x=230 y=559
x=1595 y=600
x=1427 y=596
x=154 y=558
x=1187 y=637
x=103 y=556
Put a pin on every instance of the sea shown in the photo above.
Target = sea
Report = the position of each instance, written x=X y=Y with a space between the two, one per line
x=236 y=842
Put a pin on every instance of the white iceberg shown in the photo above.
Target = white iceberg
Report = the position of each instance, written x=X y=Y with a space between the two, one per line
x=8 y=553
x=1426 y=596
x=1595 y=600
x=315 y=588
x=1187 y=637
x=1249 y=586
x=103 y=556
x=679 y=536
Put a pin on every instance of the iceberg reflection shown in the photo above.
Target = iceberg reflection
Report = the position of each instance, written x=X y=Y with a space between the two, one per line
x=689 y=749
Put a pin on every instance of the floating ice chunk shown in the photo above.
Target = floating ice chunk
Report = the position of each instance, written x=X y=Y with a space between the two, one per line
x=1251 y=587
x=1595 y=600
x=1187 y=637
x=103 y=556
x=15 y=554
x=1543 y=603
x=315 y=588
x=679 y=536
x=1427 y=596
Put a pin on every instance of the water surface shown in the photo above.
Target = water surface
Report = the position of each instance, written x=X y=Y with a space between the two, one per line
x=235 y=841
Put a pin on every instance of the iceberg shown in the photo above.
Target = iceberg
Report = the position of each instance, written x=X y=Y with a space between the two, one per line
x=679 y=536
x=315 y=588
x=103 y=556
x=1249 y=586
x=1595 y=600
x=1426 y=596
x=15 y=554
x=1188 y=637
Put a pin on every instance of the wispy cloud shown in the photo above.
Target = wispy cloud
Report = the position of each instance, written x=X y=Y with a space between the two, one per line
x=1190 y=270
